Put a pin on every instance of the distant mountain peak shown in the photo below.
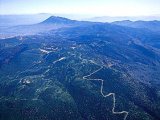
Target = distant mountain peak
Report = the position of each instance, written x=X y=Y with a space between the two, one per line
x=58 y=20
x=123 y=21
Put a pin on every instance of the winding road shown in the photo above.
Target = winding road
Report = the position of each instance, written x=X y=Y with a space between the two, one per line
x=110 y=94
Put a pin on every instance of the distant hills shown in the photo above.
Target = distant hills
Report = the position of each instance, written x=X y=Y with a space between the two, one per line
x=55 y=22
x=150 y=25
x=27 y=19
x=122 y=18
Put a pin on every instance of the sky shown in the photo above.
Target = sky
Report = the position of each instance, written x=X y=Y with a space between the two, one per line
x=82 y=7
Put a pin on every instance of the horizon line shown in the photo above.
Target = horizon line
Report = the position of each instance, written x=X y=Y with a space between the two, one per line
x=151 y=15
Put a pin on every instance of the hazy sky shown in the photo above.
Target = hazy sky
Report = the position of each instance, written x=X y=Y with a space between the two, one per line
x=91 y=7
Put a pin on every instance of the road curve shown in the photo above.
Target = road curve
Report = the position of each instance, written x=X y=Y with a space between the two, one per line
x=110 y=94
